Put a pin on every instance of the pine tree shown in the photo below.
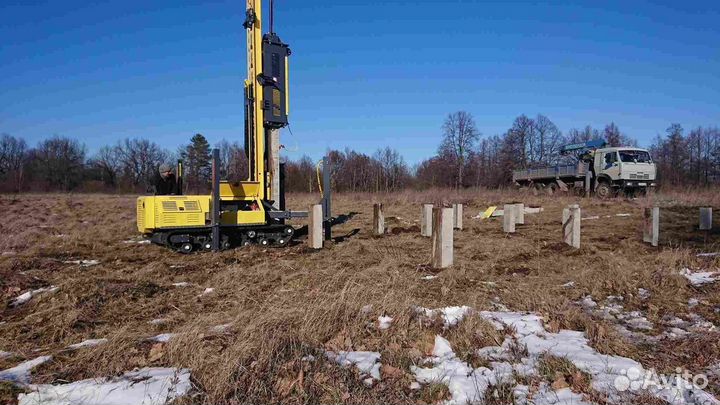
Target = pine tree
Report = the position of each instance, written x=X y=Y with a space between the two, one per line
x=197 y=161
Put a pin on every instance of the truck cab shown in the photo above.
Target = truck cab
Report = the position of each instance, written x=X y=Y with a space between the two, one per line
x=622 y=168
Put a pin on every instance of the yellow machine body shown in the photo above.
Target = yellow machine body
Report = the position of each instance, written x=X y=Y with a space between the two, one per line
x=190 y=211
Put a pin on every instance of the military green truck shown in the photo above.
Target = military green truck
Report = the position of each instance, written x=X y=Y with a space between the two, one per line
x=600 y=170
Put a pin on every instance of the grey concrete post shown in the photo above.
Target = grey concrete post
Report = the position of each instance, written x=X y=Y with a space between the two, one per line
x=315 y=227
x=458 y=216
x=651 y=225
x=705 y=218
x=442 y=237
x=509 y=218
x=426 y=220
x=378 y=219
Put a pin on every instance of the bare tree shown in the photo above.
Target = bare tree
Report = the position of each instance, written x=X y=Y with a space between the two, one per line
x=459 y=137
x=549 y=139
x=139 y=159
x=233 y=161
x=108 y=163
x=13 y=154
x=612 y=135
x=59 y=161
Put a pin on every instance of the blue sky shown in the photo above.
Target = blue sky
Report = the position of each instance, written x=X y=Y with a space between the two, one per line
x=364 y=74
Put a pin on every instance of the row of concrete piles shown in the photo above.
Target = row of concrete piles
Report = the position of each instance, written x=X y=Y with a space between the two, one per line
x=438 y=223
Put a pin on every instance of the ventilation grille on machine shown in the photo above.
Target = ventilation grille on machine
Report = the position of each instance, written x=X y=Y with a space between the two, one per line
x=140 y=214
x=640 y=176
x=169 y=206
x=192 y=206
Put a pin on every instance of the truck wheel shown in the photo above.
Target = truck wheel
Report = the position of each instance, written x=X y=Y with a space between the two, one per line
x=604 y=190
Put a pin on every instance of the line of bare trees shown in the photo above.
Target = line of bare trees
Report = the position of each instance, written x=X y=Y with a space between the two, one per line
x=464 y=158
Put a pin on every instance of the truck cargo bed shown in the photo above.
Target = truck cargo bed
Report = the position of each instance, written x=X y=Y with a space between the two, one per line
x=553 y=172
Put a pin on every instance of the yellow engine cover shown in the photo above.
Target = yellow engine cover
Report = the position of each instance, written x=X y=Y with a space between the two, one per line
x=189 y=211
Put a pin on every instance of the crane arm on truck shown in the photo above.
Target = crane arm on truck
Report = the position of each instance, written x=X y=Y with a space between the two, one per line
x=583 y=146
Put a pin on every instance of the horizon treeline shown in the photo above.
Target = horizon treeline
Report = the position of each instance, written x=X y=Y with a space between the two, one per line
x=464 y=158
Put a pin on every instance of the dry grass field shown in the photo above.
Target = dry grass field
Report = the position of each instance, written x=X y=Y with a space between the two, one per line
x=261 y=334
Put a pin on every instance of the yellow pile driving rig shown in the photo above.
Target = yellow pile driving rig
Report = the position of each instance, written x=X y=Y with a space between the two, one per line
x=239 y=213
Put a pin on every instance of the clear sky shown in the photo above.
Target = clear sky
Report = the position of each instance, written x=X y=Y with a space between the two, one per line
x=364 y=74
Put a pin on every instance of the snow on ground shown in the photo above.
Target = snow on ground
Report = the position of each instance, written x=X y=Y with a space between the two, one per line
x=430 y=277
x=206 y=291
x=181 y=284
x=220 y=328
x=627 y=323
x=620 y=378
x=4 y=355
x=83 y=263
x=87 y=343
x=547 y=396
x=700 y=278
x=147 y=386
x=450 y=315
x=713 y=254
x=368 y=363
x=466 y=385
x=138 y=241
x=25 y=297
x=162 y=338
x=384 y=322
x=21 y=373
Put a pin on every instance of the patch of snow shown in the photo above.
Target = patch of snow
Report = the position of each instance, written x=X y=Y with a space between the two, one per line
x=430 y=277
x=643 y=293
x=309 y=357
x=466 y=385
x=9 y=253
x=162 y=338
x=547 y=396
x=221 y=328
x=20 y=374
x=590 y=218
x=139 y=242
x=368 y=363
x=4 y=355
x=147 y=386
x=181 y=284
x=700 y=324
x=25 y=297
x=693 y=302
x=605 y=370
x=384 y=322
x=700 y=278
x=623 y=215
x=207 y=291
x=713 y=254
x=83 y=263
x=87 y=343
x=569 y=284
x=450 y=315
x=588 y=302
x=415 y=385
